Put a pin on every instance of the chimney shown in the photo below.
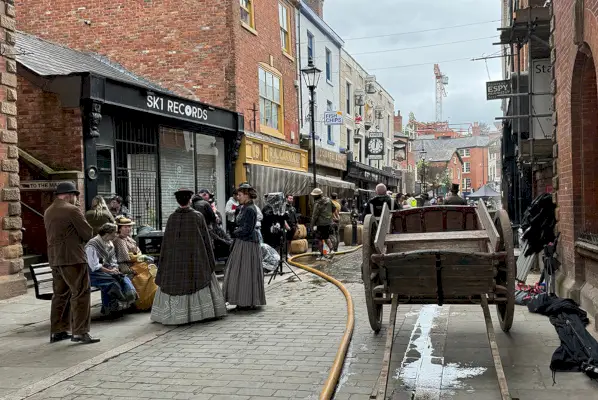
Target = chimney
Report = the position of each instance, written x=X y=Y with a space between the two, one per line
x=398 y=122
x=476 y=130
x=317 y=6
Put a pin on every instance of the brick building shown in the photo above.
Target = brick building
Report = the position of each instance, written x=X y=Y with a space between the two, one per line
x=12 y=280
x=575 y=38
x=240 y=57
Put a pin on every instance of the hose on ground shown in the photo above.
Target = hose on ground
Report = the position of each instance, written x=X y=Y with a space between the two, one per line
x=337 y=366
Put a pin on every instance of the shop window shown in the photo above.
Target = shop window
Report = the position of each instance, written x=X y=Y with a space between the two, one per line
x=285 y=22
x=209 y=171
x=106 y=181
x=177 y=169
x=310 y=45
x=271 y=106
x=247 y=14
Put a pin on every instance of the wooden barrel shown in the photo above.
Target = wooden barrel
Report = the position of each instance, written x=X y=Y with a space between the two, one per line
x=300 y=232
x=348 y=234
x=299 y=246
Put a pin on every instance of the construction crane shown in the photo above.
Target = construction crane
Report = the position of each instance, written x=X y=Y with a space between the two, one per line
x=441 y=82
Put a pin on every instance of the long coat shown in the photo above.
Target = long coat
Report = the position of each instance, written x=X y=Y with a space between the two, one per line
x=186 y=257
x=67 y=232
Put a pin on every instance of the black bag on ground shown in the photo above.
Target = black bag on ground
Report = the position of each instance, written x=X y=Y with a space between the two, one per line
x=578 y=350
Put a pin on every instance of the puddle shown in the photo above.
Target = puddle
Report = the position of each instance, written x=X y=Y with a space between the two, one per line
x=345 y=374
x=421 y=371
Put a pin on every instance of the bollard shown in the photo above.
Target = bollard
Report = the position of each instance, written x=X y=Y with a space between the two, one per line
x=354 y=238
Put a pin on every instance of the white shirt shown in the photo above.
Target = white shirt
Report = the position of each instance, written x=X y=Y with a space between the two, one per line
x=93 y=261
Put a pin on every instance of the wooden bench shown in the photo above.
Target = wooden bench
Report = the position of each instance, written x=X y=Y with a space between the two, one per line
x=43 y=281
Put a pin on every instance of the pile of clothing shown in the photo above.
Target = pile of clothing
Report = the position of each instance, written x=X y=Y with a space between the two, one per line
x=524 y=293
x=538 y=224
x=578 y=351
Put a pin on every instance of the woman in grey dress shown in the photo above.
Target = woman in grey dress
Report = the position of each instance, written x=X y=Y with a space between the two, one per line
x=244 y=277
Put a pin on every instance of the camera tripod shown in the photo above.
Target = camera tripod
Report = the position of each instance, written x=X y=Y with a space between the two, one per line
x=283 y=253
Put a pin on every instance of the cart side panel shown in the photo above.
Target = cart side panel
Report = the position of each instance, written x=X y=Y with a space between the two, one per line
x=462 y=275
x=435 y=219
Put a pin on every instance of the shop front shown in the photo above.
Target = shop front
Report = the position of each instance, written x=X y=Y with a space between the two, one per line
x=367 y=177
x=135 y=139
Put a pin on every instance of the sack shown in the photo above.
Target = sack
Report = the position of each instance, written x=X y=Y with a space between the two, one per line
x=145 y=284
x=270 y=257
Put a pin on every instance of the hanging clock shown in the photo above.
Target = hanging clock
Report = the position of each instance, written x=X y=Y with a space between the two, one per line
x=375 y=148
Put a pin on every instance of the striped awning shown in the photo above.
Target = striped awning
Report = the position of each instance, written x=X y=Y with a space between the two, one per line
x=271 y=180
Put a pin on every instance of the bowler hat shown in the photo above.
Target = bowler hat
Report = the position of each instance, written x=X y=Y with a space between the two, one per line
x=66 y=188
x=183 y=190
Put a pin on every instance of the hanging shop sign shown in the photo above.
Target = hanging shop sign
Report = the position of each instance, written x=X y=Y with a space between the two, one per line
x=331 y=159
x=374 y=146
x=495 y=89
x=333 y=118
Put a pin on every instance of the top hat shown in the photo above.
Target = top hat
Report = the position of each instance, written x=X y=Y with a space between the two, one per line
x=67 y=188
x=316 y=192
x=455 y=187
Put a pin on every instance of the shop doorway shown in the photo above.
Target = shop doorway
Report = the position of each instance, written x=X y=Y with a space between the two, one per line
x=106 y=178
x=136 y=162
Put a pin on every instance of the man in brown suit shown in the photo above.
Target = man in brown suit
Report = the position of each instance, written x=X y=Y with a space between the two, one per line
x=67 y=232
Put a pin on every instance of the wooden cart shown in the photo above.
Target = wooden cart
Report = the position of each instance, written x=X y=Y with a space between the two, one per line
x=439 y=255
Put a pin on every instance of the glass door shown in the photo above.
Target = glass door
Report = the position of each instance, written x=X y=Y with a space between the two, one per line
x=106 y=181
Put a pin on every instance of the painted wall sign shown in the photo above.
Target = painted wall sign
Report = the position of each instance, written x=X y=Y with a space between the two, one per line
x=176 y=107
x=39 y=185
x=331 y=159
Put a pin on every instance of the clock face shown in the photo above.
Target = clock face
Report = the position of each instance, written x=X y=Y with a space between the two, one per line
x=376 y=146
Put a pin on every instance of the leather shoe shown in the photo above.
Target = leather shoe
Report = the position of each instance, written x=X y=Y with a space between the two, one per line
x=84 y=339
x=57 y=337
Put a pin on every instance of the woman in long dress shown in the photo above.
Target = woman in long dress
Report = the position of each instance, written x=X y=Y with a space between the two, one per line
x=135 y=265
x=188 y=290
x=118 y=293
x=244 y=276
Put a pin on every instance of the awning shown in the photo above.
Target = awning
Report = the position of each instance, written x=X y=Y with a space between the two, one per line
x=271 y=180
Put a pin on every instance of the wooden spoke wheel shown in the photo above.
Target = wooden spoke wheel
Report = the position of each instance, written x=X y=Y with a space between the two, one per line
x=506 y=270
x=370 y=273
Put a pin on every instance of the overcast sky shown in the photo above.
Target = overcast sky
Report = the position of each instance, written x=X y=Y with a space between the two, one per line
x=413 y=88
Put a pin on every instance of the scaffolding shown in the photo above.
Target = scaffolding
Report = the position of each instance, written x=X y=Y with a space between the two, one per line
x=527 y=26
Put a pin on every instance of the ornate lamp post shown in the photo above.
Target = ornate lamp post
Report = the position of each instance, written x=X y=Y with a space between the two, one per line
x=311 y=73
x=422 y=157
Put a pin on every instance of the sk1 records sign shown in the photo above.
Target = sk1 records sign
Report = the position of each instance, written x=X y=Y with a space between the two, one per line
x=374 y=146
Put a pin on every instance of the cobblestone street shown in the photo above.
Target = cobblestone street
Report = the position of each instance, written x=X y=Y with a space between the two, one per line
x=285 y=351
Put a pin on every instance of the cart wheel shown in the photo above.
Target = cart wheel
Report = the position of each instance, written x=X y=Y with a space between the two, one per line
x=506 y=273
x=367 y=268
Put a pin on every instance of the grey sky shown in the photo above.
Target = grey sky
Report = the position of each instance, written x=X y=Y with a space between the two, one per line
x=413 y=88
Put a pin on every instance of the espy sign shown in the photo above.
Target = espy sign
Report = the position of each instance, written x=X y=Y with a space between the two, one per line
x=497 y=88
x=176 y=107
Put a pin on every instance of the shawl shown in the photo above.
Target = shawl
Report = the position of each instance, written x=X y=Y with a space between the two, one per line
x=123 y=246
x=186 y=257
x=105 y=251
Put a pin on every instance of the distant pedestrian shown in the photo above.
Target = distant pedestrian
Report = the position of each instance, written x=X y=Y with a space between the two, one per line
x=117 y=208
x=99 y=214
x=335 y=222
x=454 y=199
x=244 y=278
x=231 y=207
x=67 y=232
x=321 y=220
x=376 y=204
x=188 y=290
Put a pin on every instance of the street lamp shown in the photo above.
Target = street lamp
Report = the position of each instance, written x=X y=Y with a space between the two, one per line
x=422 y=157
x=311 y=73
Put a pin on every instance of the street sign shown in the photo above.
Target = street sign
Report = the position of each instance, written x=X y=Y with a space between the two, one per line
x=497 y=88
x=333 y=118
x=39 y=185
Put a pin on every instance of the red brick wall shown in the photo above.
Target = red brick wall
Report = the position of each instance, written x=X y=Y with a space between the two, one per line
x=47 y=131
x=317 y=6
x=255 y=49
x=398 y=122
x=568 y=135
x=184 y=45
x=478 y=174
x=455 y=165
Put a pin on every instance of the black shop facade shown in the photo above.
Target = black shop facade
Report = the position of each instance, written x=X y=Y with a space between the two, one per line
x=138 y=140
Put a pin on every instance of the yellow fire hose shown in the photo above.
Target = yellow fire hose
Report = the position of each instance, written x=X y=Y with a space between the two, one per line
x=337 y=366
